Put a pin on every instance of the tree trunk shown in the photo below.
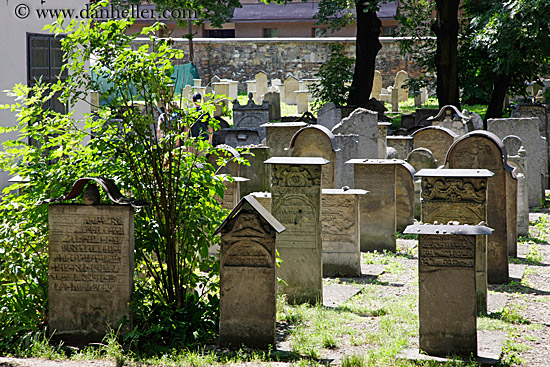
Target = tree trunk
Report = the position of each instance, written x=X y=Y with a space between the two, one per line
x=367 y=46
x=446 y=30
x=494 y=110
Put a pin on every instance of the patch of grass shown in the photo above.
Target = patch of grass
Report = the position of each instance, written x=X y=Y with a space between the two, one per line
x=534 y=257
x=354 y=360
x=43 y=348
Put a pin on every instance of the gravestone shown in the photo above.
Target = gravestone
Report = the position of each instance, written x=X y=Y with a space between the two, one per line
x=436 y=139
x=459 y=195
x=233 y=88
x=91 y=264
x=451 y=118
x=535 y=110
x=340 y=232
x=357 y=136
x=379 y=209
x=197 y=82
x=421 y=158
x=404 y=195
x=407 y=121
x=251 y=116
x=291 y=85
x=394 y=100
x=447 y=310
x=421 y=116
x=296 y=203
x=376 y=85
x=258 y=173
x=215 y=79
x=261 y=86
x=240 y=137
x=382 y=134
x=477 y=150
x=517 y=157
x=263 y=198
x=279 y=135
x=274 y=103
x=526 y=129
x=402 y=144
x=247 y=272
x=400 y=79
x=250 y=87
x=317 y=141
x=512 y=212
x=301 y=101
x=329 y=115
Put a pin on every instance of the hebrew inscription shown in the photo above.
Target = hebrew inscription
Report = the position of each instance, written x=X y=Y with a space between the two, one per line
x=445 y=252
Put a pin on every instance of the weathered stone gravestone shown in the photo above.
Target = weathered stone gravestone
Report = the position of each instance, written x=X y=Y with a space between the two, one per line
x=91 y=263
x=261 y=86
x=420 y=158
x=329 y=115
x=291 y=85
x=382 y=134
x=197 y=82
x=451 y=118
x=223 y=160
x=459 y=195
x=251 y=115
x=248 y=283
x=394 y=100
x=296 y=203
x=301 y=101
x=240 y=137
x=317 y=141
x=274 y=103
x=482 y=149
x=436 y=139
x=250 y=87
x=534 y=110
x=379 y=209
x=517 y=157
x=447 y=288
x=357 y=136
x=402 y=144
x=404 y=195
x=376 y=85
x=400 y=79
x=527 y=129
x=258 y=173
x=279 y=135
x=340 y=232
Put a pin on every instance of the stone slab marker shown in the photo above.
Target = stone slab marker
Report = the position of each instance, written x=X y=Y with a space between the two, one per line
x=274 y=101
x=340 y=232
x=261 y=86
x=379 y=208
x=382 y=134
x=279 y=135
x=437 y=139
x=446 y=278
x=376 y=85
x=301 y=101
x=258 y=173
x=329 y=115
x=248 y=283
x=291 y=84
x=460 y=195
x=251 y=115
x=296 y=203
x=482 y=149
x=517 y=157
x=317 y=141
x=404 y=195
x=400 y=78
x=91 y=262
x=402 y=144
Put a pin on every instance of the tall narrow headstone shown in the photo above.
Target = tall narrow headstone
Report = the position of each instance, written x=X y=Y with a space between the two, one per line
x=447 y=310
x=400 y=79
x=382 y=134
x=517 y=158
x=477 y=150
x=274 y=103
x=261 y=85
x=248 y=282
x=301 y=101
x=376 y=85
x=404 y=195
x=296 y=203
x=291 y=85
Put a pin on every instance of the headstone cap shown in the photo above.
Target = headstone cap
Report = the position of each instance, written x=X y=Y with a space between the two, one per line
x=284 y=124
x=377 y=161
x=448 y=229
x=297 y=160
x=449 y=172
x=344 y=192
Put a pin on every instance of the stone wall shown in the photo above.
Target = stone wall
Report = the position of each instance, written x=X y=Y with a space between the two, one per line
x=240 y=58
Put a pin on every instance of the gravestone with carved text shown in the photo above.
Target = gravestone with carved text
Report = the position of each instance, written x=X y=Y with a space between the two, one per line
x=436 y=139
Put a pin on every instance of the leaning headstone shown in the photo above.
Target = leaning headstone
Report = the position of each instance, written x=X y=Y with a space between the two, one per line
x=526 y=129
x=484 y=150
x=274 y=102
x=251 y=115
x=451 y=118
x=291 y=85
x=357 y=137
x=301 y=101
x=378 y=212
x=279 y=135
x=458 y=195
x=247 y=272
x=91 y=264
x=400 y=79
x=447 y=309
x=376 y=85
x=403 y=145
x=436 y=139
x=404 y=195
x=296 y=203
x=329 y=116
x=317 y=141
x=261 y=85
x=340 y=232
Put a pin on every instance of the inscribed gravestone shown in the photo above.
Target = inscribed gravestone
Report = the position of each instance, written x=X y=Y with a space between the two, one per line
x=296 y=203
x=340 y=232
x=447 y=285
x=91 y=268
x=291 y=85
x=279 y=135
x=482 y=149
x=436 y=139
x=400 y=78
x=317 y=141
x=251 y=116
x=527 y=129
x=247 y=272
x=261 y=85
x=404 y=195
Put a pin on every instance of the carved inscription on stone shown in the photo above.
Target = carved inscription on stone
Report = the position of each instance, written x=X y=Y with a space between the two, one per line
x=453 y=189
x=446 y=252
x=297 y=214
x=339 y=225
x=477 y=153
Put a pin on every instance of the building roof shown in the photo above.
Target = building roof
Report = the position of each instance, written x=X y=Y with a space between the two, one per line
x=293 y=12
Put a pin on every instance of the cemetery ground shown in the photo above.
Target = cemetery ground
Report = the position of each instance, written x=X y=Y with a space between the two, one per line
x=367 y=321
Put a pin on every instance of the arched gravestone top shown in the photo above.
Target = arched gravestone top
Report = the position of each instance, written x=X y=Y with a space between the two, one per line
x=421 y=158
x=487 y=135
x=435 y=138
x=513 y=144
x=323 y=129
x=444 y=109
x=439 y=128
